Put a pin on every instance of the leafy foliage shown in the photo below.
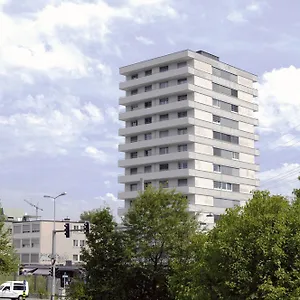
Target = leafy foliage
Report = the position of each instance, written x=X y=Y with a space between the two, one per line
x=8 y=259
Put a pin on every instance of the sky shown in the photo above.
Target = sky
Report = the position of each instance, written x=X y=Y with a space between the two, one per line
x=59 y=79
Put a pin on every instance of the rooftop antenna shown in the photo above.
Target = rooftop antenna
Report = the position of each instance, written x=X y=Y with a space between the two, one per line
x=37 y=208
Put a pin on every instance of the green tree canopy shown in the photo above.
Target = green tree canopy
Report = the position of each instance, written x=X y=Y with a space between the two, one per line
x=8 y=260
x=252 y=253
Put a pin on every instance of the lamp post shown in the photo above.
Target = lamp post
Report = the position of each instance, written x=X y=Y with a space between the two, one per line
x=53 y=260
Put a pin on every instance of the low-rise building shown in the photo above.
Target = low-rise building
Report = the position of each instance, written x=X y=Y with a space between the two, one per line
x=32 y=240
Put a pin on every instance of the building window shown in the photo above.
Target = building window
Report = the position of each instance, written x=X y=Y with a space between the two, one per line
x=76 y=227
x=133 y=139
x=222 y=185
x=182 y=165
x=147 y=184
x=181 y=97
x=163 y=101
x=164 y=184
x=148 y=136
x=17 y=243
x=148 y=152
x=17 y=229
x=182 y=114
x=234 y=108
x=164 y=117
x=75 y=243
x=134 y=123
x=182 y=148
x=217 y=168
x=133 y=171
x=134 y=76
x=148 y=120
x=182 y=81
x=225 y=137
x=163 y=133
x=163 y=167
x=133 y=155
x=25 y=258
x=235 y=155
x=26 y=228
x=148 y=72
x=224 y=74
x=134 y=107
x=148 y=88
x=34 y=258
x=35 y=227
x=134 y=92
x=26 y=243
x=148 y=104
x=75 y=257
x=224 y=90
x=182 y=131
x=35 y=243
x=181 y=64
x=164 y=150
x=133 y=187
x=164 y=69
x=182 y=182
x=216 y=102
x=147 y=169
x=82 y=243
x=163 y=84
x=216 y=119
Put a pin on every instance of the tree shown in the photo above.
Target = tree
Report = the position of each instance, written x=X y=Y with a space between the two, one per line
x=105 y=258
x=8 y=259
x=159 y=228
x=252 y=253
x=88 y=215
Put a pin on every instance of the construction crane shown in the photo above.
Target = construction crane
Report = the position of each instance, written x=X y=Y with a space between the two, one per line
x=37 y=208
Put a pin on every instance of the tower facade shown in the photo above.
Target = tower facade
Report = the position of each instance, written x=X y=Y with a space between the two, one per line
x=190 y=125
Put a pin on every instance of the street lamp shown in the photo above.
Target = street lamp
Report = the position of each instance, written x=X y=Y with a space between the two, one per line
x=53 y=260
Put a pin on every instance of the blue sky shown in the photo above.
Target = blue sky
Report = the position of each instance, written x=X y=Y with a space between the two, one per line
x=59 y=79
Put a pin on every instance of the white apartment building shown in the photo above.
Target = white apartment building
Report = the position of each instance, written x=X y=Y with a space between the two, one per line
x=190 y=125
x=33 y=241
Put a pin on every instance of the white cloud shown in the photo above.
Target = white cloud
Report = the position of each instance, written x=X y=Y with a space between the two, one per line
x=236 y=17
x=254 y=7
x=96 y=154
x=285 y=141
x=279 y=100
x=144 y=40
x=281 y=180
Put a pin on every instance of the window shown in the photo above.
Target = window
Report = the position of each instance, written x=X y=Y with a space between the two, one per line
x=164 y=183
x=224 y=90
x=148 y=104
x=133 y=187
x=148 y=152
x=217 y=168
x=148 y=136
x=164 y=69
x=235 y=155
x=163 y=133
x=17 y=243
x=224 y=74
x=82 y=243
x=134 y=76
x=134 y=123
x=133 y=171
x=163 y=101
x=134 y=107
x=225 y=137
x=134 y=92
x=164 y=150
x=181 y=131
x=163 y=167
x=234 y=108
x=75 y=257
x=148 y=88
x=133 y=155
x=17 y=229
x=34 y=258
x=147 y=169
x=75 y=243
x=182 y=114
x=163 y=84
x=148 y=72
x=147 y=184
x=24 y=258
x=182 y=97
x=35 y=227
x=182 y=165
x=222 y=185
x=225 y=153
x=164 y=117
x=133 y=139
x=18 y=287
x=181 y=64
x=216 y=102
x=26 y=228
x=182 y=148
x=182 y=182
x=35 y=243
x=148 y=120
x=182 y=81
x=216 y=119
x=76 y=227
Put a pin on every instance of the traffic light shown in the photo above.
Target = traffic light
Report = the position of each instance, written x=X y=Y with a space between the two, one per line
x=67 y=230
x=51 y=272
x=56 y=272
x=21 y=269
x=86 y=227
